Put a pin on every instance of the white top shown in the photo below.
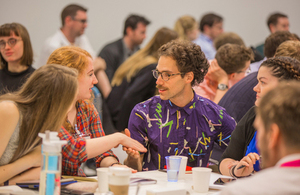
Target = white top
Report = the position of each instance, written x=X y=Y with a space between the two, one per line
x=274 y=180
x=58 y=40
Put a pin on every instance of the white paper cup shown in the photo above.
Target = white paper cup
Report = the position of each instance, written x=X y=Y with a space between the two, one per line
x=118 y=180
x=102 y=175
x=201 y=177
x=182 y=167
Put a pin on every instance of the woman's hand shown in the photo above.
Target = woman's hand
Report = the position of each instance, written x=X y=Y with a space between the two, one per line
x=130 y=143
x=245 y=166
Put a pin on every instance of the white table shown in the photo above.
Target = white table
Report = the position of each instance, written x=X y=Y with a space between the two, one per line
x=162 y=182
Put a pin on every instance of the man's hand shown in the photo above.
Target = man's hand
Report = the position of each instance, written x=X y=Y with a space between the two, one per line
x=131 y=152
x=216 y=73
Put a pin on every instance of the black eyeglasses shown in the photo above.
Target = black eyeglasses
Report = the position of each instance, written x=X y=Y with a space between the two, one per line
x=11 y=42
x=83 y=21
x=164 y=75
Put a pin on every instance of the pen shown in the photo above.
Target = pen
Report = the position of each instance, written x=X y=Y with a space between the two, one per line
x=242 y=166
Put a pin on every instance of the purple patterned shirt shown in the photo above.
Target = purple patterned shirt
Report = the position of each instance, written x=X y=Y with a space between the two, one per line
x=166 y=129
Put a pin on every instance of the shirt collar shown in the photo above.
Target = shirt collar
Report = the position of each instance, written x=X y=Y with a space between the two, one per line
x=188 y=108
x=65 y=41
x=288 y=158
x=203 y=36
x=128 y=52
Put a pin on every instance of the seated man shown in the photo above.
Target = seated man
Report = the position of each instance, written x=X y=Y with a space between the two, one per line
x=178 y=121
x=232 y=62
x=278 y=139
x=241 y=97
x=211 y=26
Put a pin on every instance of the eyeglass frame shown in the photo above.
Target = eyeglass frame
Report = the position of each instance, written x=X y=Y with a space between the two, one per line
x=83 y=21
x=8 y=42
x=154 y=72
x=246 y=71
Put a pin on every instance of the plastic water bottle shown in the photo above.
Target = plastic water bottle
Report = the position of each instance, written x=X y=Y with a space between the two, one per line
x=51 y=168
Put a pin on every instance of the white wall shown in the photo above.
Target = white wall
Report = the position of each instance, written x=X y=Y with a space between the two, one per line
x=106 y=17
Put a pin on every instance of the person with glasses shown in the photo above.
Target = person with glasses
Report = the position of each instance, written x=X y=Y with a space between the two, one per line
x=241 y=157
x=133 y=81
x=178 y=121
x=74 y=21
x=16 y=57
x=240 y=98
x=230 y=65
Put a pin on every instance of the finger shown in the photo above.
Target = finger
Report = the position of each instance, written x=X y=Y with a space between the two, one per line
x=248 y=160
x=127 y=132
x=252 y=157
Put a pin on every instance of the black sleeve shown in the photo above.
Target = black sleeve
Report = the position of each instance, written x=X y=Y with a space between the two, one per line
x=241 y=137
x=140 y=89
x=240 y=98
x=111 y=61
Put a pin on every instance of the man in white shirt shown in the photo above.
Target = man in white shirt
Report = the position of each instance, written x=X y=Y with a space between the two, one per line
x=278 y=137
x=74 y=22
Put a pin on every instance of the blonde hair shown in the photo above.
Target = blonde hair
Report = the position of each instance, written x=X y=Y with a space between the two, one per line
x=70 y=56
x=289 y=48
x=43 y=103
x=183 y=25
x=146 y=56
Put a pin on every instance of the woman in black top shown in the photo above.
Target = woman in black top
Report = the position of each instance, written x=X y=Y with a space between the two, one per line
x=16 y=57
x=270 y=73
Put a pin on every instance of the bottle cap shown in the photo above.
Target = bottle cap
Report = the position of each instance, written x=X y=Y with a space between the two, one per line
x=51 y=142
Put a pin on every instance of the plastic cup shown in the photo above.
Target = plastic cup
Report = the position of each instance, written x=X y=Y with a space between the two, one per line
x=173 y=165
x=118 y=180
x=102 y=175
x=201 y=177
x=182 y=167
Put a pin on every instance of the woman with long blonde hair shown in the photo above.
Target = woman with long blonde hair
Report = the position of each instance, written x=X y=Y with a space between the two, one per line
x=187 y=28
x=133 y=81
x=41 y=104
x=82 y=127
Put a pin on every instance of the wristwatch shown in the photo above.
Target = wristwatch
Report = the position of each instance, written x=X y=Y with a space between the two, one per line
x=222 y=87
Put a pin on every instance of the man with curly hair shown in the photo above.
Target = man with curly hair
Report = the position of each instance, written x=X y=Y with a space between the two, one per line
x=178 y=121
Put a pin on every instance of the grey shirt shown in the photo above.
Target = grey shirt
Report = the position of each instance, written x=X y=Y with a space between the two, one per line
x=11 y=146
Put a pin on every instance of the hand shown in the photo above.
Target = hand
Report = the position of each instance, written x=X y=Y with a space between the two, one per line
x=99 y=64
x=248 y=161
x=128 y=142
x=131 y=152
x=119 y=165
x=216 y=73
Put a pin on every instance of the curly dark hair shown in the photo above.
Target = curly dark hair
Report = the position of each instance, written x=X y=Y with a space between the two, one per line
x=275 y=39
x=284 y=68
x=189 y=58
